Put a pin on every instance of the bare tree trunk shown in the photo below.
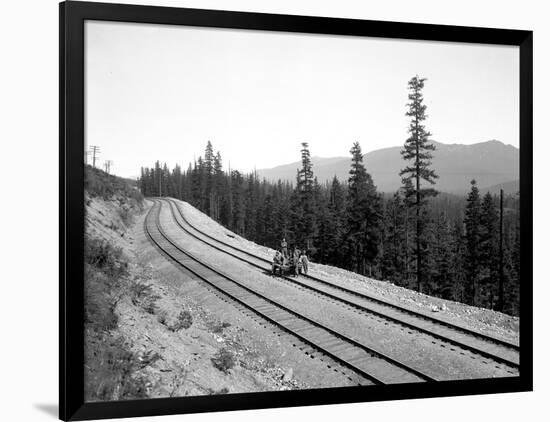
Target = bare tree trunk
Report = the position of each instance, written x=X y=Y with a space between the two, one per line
x=418 y=258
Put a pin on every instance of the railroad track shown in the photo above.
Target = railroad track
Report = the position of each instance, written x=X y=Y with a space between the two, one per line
x=455 y=336
x=373 y=366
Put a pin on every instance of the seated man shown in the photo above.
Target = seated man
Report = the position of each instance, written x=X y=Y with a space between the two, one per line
x=277 y=263
x=296 y=261
x=303 y=263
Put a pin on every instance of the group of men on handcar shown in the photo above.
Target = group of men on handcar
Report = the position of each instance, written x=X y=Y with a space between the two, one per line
x=294 y=262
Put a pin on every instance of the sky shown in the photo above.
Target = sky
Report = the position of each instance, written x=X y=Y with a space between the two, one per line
x=160 y=92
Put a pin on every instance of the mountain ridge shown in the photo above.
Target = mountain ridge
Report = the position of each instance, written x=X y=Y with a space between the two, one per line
x=490 y=162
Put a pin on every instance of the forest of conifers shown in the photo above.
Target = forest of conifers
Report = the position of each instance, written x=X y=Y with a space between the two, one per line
x=436 y=243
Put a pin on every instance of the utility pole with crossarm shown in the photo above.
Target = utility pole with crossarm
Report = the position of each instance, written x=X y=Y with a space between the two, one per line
x=95 y=152
x=108 y=164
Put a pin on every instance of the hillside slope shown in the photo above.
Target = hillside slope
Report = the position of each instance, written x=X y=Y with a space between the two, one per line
x=490 y=163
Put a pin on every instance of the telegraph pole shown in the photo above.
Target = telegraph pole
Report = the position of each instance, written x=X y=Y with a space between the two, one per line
x=501 y=255
x=108 y=164
x=95 y=152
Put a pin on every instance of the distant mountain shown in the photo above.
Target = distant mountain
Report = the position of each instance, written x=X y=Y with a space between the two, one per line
x=490 y=163
x=509 y=188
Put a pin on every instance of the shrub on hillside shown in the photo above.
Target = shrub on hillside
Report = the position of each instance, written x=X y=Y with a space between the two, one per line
x=184 y=321
x=99 y=301
x=104 y=268
x=105 y=257
x=223 y=360
x=141 y=294
x=110 y=370
x=218 y=326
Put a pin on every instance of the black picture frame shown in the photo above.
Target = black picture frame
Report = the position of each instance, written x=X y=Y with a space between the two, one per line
x=72 y=16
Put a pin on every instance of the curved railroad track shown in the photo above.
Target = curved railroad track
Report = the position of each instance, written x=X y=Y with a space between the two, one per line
x=370 y=364
x=482 y=345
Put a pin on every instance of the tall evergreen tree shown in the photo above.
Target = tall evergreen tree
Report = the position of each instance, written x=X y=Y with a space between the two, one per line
x=393 y=263
x=458 y=248
x=488 y=251
x=216 y=194
x=417 y=150
x=306 y=199
x=252 y=206
x=237 y=183
x=187 y=183
x=157 y=191
x=511 y=291
x=440 y=260
x=202 y=169
x=472 y=235
x=282 y=210
x=196 y=184
x=176 y=182
x=337 y=215
x=363 y=215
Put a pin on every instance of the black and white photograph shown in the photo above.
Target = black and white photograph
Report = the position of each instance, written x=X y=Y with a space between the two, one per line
x=270 y=211
x=260 y=210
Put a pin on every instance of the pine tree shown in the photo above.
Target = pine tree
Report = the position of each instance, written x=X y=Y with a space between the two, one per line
x=237 y=183
x=252 y=203
x=202 y=175
x=216 y=193
x=393 y=263
x=363 y=215
x=269 y=232
x=324 y=238
x=512 y=256
x=196 y=185
x=337 y=215
x=208 y=179
x=157 y=191
x=227 y=214
x=408 y=201
x=282 y=210
x=188 y=185
x=488 y=252
x=472 y=236
x=318 y=246
x=440 y=260
x=513 y=288
x=306 y=201
x=459 y=276
x=177 y=182
x=165 y=173
x=417 y=150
